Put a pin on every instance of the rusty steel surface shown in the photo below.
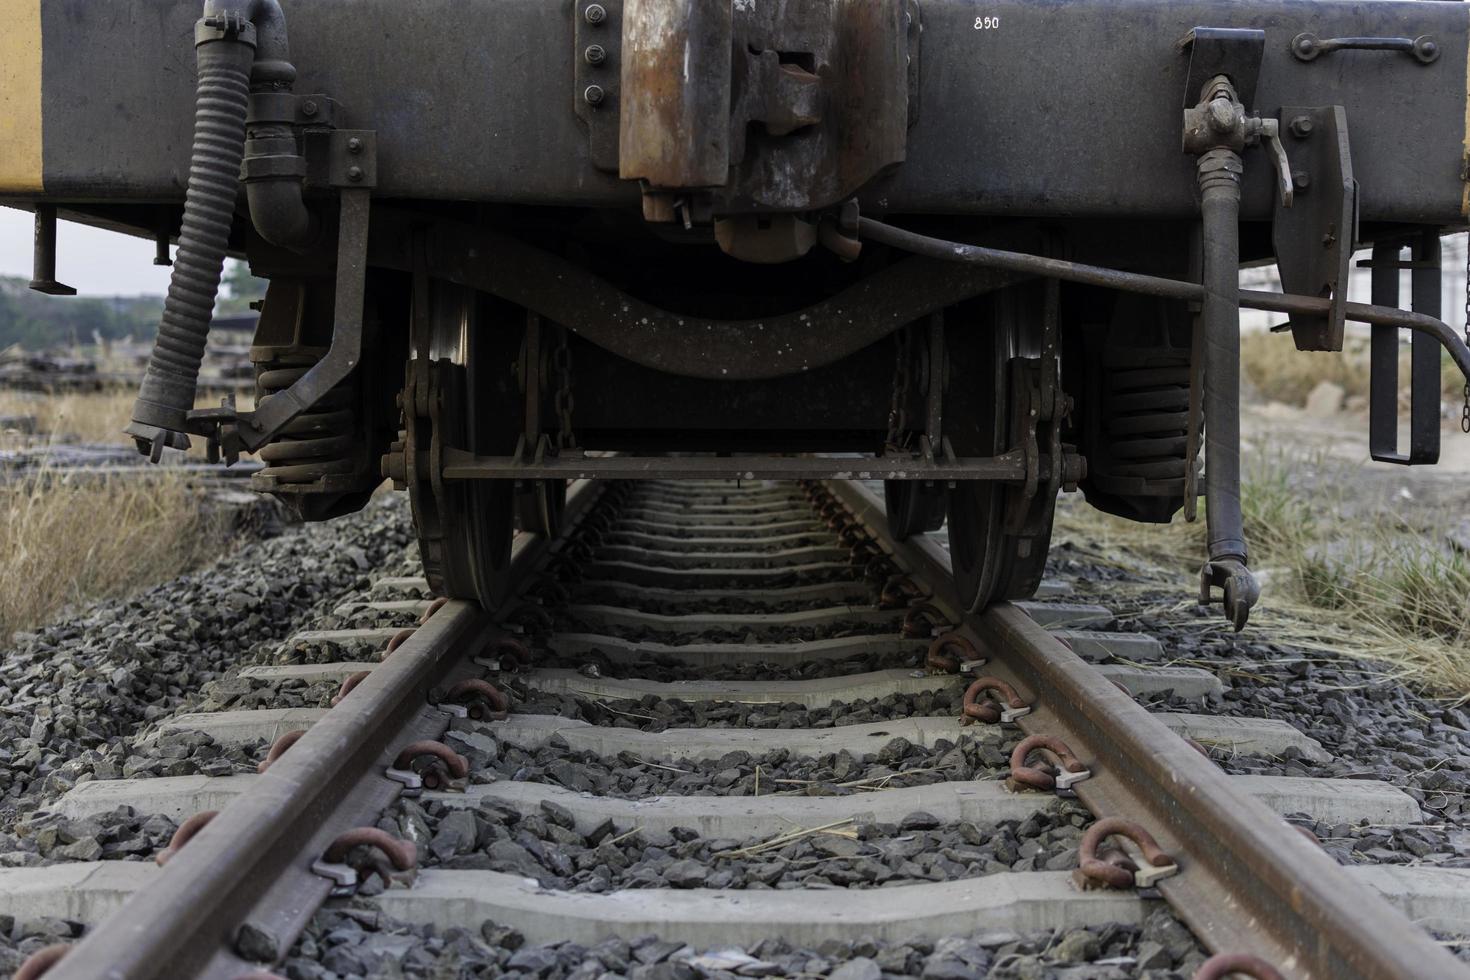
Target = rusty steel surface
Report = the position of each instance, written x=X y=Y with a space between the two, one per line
x=252 y=862
x=1247 y=880
x=675 y=130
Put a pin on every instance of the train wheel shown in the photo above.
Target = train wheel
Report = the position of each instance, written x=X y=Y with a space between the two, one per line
x=914 y=506
x=464 y=526
x=539 y=506
x=992 y=559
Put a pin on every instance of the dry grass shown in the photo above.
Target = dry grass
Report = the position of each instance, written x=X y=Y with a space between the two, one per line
x=1365 y=584
x=68 y=544
x=96 y=417
x=1279 y=372
x=92 y=417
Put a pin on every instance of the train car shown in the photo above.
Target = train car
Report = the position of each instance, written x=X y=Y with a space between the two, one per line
x=983 y=251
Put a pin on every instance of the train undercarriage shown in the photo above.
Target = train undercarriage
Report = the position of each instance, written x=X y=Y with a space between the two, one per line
x=983 y=255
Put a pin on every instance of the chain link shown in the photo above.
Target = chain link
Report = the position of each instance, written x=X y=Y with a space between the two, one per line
x=561 y=366
x=1465 y=411
x=898 y=413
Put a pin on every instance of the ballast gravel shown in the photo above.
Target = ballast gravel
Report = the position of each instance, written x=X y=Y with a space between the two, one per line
x=1373 y=726
x=899 y=763
x=357 y=940
x=652 y=713
x=547 y=846
x=78 y=693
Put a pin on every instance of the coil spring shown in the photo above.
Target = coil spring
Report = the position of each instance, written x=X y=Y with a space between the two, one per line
x=318 y=442
x=1147 y=412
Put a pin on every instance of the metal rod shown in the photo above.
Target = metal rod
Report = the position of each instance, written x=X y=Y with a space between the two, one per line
x=1134 y=282
x=1009 y=467
x=1219 y=178
x=43 y=267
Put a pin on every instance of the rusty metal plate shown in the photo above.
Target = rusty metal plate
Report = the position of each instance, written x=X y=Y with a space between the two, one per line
x=674 y=130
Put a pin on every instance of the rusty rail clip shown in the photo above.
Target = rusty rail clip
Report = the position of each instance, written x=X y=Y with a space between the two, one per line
x=937 y=661
x=922 y=619
x=446 y=764
x=1093 y=872
x=510 y=655
x=1222 y=965
x=1070 y=770
x=987 y=711
x=278 y=748
x=333 y=865
x=477 y=695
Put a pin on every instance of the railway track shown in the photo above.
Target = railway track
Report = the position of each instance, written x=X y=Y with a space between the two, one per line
x=730 y=723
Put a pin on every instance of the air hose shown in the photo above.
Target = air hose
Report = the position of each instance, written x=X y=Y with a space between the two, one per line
x=239 y=45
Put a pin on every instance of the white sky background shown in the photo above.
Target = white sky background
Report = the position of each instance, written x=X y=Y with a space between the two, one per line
x=96 y=262
x=105 y=263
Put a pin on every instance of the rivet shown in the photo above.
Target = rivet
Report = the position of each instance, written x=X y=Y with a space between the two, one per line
x=354 y=174
x=354 y=145
x=1301 y=126
x=309 y=108
x=596 y=13
x=594 y=95
x=595 y=54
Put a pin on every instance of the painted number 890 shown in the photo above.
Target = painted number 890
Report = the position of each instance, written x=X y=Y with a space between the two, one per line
x=987 y=23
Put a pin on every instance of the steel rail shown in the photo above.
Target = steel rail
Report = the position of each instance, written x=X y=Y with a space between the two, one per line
x=1248 y=881
x=252 y=863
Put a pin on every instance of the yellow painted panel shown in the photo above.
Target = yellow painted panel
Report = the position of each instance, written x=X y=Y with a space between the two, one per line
x=20 y=96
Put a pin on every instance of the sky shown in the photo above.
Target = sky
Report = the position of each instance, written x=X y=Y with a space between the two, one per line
x=96 y=262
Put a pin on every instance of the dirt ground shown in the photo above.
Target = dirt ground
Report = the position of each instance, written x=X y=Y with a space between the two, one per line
x=1340 y=445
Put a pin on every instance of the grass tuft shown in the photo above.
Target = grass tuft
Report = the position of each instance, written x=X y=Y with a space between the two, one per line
x=67 y=544
x=1337 y=577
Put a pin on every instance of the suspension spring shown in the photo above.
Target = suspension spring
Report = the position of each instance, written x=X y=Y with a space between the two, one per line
x=319 y=442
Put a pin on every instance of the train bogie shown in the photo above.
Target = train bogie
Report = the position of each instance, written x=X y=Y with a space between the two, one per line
x=983 y=255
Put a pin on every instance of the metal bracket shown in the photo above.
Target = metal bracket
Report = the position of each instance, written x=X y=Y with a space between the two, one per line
x=1424 y=360
x=1233 y=52
x=1314 y=238
x=597 y=36
x=248 y=431
x=352 y=158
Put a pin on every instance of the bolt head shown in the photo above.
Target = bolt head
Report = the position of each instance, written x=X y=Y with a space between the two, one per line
x=595 y=54
x=354 y=145
x=309 y=108
x=1301 y=126
x=595 y=13
x=594 y=95
x=354 y=174
x=1301 y=180
x=1305 y=45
